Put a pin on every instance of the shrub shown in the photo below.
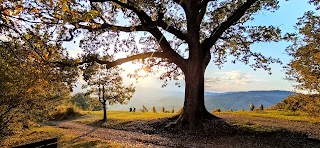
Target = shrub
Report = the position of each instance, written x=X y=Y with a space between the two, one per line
x=230 y=110
x=64 y=113
x=172 y=111
x=217 y=110
x=180 y=110
x=309 y=104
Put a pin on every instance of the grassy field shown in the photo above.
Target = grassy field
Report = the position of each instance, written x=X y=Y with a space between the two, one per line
x=126 y=119
x=115 y=118
x=120 y=118
x=275 y=114
x=65 y=139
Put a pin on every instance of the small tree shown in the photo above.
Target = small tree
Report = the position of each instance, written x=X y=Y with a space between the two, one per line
x=108 y=85
x=81 y=100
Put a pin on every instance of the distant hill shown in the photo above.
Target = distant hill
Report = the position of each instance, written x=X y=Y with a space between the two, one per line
x=158 y=97
x=239 y=100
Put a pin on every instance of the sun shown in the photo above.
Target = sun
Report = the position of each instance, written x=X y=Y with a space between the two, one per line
x=142 y=73
x=131 y=68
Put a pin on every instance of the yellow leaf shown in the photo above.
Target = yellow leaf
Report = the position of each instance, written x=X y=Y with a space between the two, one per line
x=77 y=60
x=35 y=10
x=37 y=71
x=94 y=12
x=38 y=45
x=93 y=26
x=46 y=56
x=6 y=12
x=58 y=16
x=19 y=7
x=28 y=36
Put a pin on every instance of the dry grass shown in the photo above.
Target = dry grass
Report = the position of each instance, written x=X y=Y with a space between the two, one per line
x=276 y=114
x=65 y=139
x=257 y=120
x=120 y=118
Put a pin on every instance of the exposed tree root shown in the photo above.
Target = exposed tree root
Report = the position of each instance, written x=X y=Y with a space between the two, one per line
x=181 y=121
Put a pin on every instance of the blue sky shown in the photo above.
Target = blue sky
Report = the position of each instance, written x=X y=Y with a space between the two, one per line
x=240 y=77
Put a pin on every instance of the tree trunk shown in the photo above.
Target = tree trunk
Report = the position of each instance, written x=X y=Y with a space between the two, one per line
x=194 y=108
x=104 y=112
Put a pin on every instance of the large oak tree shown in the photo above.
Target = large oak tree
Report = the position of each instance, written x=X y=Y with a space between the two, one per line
x=181 y=35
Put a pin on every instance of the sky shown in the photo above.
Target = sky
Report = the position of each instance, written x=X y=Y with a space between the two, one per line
x=238 y=77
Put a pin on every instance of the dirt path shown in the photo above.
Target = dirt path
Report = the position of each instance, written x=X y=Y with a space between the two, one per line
x=140 y=138
x=130 y=138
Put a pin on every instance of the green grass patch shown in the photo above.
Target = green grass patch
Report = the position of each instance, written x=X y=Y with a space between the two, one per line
x=120 y=118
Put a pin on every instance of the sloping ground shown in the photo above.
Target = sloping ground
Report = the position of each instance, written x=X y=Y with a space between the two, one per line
x=234 y=130
x=149 y=134
x=310 y=129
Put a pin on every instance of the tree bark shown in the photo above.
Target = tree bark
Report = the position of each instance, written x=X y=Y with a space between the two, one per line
x=194 y=108
x=104 y=112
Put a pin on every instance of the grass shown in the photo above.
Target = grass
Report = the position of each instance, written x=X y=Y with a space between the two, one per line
x=125 y=119
x=277 y=114
x=65 y=139
x=120 y=118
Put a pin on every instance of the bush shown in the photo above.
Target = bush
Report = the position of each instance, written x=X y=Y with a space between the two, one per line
x=64 y=113
x=180 y=110
x=309 y=104
x=217 y=110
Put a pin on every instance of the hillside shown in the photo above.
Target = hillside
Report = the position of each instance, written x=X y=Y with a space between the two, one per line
x=231 y=100
x=270 y=128
x=241 y=100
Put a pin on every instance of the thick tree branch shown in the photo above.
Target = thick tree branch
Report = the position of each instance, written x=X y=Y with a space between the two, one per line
x=107 y=26
x=218 y=31
x=117 y=62
x=201 y=14
x=150 y=26
x=145 y=19
x=165 y=46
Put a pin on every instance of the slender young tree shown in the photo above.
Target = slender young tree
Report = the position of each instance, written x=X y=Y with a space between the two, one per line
x=107 y=84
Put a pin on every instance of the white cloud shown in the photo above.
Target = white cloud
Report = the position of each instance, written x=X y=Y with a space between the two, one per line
x=230 y=81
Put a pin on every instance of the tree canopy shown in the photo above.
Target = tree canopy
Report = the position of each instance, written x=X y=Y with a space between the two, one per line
x=304 y=68
x=181 y=35
x=29 y=89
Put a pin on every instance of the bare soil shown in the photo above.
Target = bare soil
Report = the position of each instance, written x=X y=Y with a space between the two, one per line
x=214 y=133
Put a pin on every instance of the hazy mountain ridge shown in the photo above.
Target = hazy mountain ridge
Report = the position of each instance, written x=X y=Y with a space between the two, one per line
x=158 y=97
x=241 y=100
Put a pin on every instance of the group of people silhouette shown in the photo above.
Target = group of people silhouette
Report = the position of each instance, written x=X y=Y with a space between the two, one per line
x=132 y=109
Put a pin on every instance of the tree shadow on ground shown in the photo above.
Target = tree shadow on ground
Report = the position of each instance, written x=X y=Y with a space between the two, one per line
x=212 y=133
x=218 y=133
